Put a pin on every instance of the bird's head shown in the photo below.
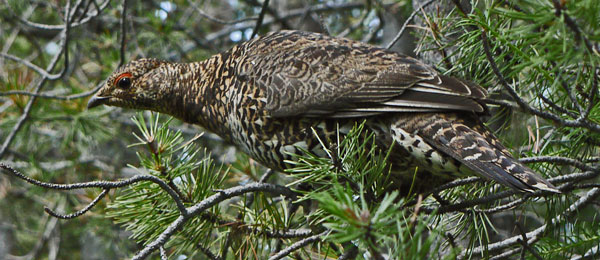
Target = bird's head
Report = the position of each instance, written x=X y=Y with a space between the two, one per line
x=138 y=84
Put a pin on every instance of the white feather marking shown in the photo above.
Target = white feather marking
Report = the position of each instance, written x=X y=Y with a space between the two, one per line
x=272 y=142
x=467 y=87
x=410 y=103
x=470 y=147
x=473 y=157
x=439 y=163
x=438 y=133
x=425 y=87
x=392 y=109
x=511 y=167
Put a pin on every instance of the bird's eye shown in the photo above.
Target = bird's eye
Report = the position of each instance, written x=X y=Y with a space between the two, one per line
x=123 y=81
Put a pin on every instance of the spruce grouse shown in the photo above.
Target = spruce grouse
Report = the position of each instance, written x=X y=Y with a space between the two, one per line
x=267 y=94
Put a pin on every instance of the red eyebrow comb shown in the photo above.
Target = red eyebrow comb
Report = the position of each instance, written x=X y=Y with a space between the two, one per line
x=123 y=75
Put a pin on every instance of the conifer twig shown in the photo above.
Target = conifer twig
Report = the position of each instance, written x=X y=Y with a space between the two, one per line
x=206 y=204
x=100 y=184
x=535 y=234
x=580 y=122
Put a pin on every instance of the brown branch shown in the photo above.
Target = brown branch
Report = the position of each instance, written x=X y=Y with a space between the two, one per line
x=28 y=64
x=123 y=33
x=261 y=18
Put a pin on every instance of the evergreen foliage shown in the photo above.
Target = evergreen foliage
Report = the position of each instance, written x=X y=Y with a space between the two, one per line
x=538 y=59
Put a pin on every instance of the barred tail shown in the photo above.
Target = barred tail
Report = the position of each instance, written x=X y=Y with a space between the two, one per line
x=478 y=149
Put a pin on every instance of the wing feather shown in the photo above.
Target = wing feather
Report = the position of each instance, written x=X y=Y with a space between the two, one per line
x=309 y=74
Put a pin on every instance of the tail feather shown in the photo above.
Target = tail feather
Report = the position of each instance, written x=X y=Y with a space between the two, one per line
x=481 y=152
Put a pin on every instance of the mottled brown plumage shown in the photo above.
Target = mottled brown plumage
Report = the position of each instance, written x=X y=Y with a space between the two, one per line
x=267 y=94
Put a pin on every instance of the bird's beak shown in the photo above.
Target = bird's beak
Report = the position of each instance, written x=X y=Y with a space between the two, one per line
x=96 y=101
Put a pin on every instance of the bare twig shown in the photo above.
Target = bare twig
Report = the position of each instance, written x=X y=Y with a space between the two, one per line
x=524 y=243
x=557 y=160
x=558 y=5
x=100 y=184
x=208 y=253
x=291 y=14
x=408 y=20
x=185 y=213
x=80 y=212
x=557 y=107
x=163 y=253
x=25 y=115
x=48 y=27
x=123 y=33
x=69 y=12
x=28 y=64
x=571 y=178
x=295 y=246
x=43 y=95
x=217 y=20
x=261 y=18
x=500 y=102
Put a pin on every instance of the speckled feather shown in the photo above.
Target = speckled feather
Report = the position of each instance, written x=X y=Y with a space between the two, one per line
x=266 y=95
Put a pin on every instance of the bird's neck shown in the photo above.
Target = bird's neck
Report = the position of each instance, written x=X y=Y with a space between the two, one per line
x=196 y=96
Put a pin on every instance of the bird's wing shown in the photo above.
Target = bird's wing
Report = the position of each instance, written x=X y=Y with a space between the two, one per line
x=314 y=75
x=480 y=151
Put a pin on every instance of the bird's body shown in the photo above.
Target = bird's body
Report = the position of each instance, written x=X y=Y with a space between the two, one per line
x=268 y=95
